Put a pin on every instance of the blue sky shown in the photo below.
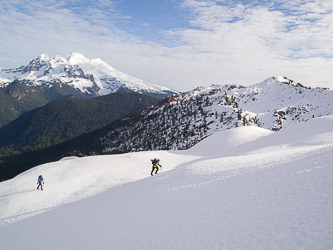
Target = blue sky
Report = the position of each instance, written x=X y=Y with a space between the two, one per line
x=180 y=44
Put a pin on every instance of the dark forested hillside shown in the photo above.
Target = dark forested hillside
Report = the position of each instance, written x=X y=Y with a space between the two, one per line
x=64 y=119
x=49 y=132
x=18 y=98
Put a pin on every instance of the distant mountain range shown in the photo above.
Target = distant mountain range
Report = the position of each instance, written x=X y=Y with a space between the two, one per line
x=45 y=79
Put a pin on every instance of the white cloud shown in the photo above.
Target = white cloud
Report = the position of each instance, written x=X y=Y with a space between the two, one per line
x=259 y=40
x=225 y=42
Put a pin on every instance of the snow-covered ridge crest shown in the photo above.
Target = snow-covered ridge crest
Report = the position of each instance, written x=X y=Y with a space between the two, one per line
x=92 y=76
x=182 y=121
x=212 y=89
x=271 y=104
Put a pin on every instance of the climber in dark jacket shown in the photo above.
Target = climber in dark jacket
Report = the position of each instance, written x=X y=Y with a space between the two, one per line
x=40 y=182
x=155 y=163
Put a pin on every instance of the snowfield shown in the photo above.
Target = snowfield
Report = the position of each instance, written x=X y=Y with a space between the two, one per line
x=243 y=188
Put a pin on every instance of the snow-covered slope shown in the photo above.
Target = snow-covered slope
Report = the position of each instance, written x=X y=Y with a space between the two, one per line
x=272 y=191
x=93 y=76
x=272 y=104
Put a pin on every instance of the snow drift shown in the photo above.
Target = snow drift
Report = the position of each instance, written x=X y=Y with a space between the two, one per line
x=259 y=190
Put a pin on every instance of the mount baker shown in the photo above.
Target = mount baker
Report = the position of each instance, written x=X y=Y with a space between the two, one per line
x=92 y=77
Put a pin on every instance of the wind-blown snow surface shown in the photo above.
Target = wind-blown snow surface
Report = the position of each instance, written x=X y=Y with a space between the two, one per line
x=244 y=188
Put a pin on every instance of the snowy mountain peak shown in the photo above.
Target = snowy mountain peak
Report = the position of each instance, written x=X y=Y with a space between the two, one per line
x=91 y=76
x=43 y=57
x=59 y=59
x=35 y=65
x=76 y=58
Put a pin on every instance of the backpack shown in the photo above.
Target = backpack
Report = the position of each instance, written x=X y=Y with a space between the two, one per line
x=155 y=161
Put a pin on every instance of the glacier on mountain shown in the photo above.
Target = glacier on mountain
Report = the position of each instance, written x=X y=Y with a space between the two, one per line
x=92 y=76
